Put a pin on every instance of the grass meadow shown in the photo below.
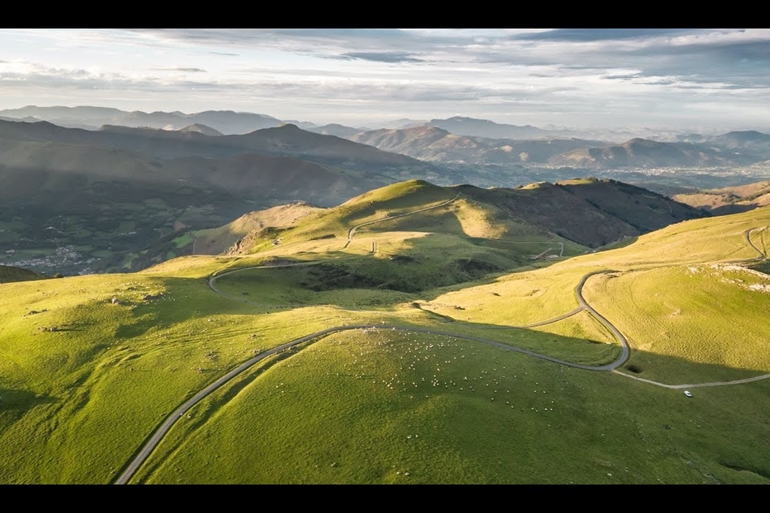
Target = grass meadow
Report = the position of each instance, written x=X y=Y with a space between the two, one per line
x=90 y=366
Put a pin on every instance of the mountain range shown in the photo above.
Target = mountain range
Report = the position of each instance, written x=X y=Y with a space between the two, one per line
x=151 y=185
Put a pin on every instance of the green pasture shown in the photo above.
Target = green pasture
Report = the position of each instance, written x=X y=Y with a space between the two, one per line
x=708 y=314
x=383 y=407
x=91 y=365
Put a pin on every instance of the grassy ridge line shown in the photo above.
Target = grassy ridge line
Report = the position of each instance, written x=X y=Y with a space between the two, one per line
x=352 y=230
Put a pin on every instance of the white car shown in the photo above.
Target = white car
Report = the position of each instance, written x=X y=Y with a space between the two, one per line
x=687 y=393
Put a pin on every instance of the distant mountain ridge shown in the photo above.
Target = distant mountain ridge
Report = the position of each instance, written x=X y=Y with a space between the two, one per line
x=227 y=122
x=728 y=200
x=200 y=129
x=486 y=128
x=335 y=130
x=645 y=153
x=430 y=143
x=284 y=141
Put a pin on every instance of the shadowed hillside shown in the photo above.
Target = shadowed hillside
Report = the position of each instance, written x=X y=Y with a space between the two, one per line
x=10 y=274
x=77 y=201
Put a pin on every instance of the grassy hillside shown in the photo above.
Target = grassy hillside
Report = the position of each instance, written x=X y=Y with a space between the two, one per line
x=591 y=214
x=213 y=241
x=90 y=366
x=481 y=416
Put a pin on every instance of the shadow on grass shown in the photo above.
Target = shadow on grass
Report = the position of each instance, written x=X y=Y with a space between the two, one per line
x=673 y=370
x=18 y=401
x=763 y=267
x=423 y=266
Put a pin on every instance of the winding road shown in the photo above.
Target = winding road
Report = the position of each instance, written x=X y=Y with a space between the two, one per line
x=747 y=235
x=163 y=429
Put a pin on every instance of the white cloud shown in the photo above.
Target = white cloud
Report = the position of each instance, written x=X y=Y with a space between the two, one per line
x=518 y=76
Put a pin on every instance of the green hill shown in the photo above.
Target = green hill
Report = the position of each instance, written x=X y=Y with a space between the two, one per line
x=590 y=213
x=456 y=357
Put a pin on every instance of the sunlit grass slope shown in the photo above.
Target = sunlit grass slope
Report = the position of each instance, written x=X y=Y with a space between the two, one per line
x=671 y=254
x=213 y=241
x=385 y=407
x=90 y=366
x=642 y=444
x=437 y=213
x=708 y=313
x=85 y=378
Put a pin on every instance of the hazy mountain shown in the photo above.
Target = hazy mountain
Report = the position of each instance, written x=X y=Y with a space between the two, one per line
x=490 y=129
x=748 y=144
x=424 y=142
x=402 y=123
x=743 y=139
x=645 y=153
x=304 y=125
x=91 y=118
x=229 y=122
x=80 y=117
x=27 y=119
x=200 y=129
x=158 y=119
x=286 y=141
x=728 y=200
x=120 y=190
x=65 y=173
x=225 y=122
x=427 y=142
x=335 y=130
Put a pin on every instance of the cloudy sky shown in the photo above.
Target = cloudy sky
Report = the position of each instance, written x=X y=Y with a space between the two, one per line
x=672 y=78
